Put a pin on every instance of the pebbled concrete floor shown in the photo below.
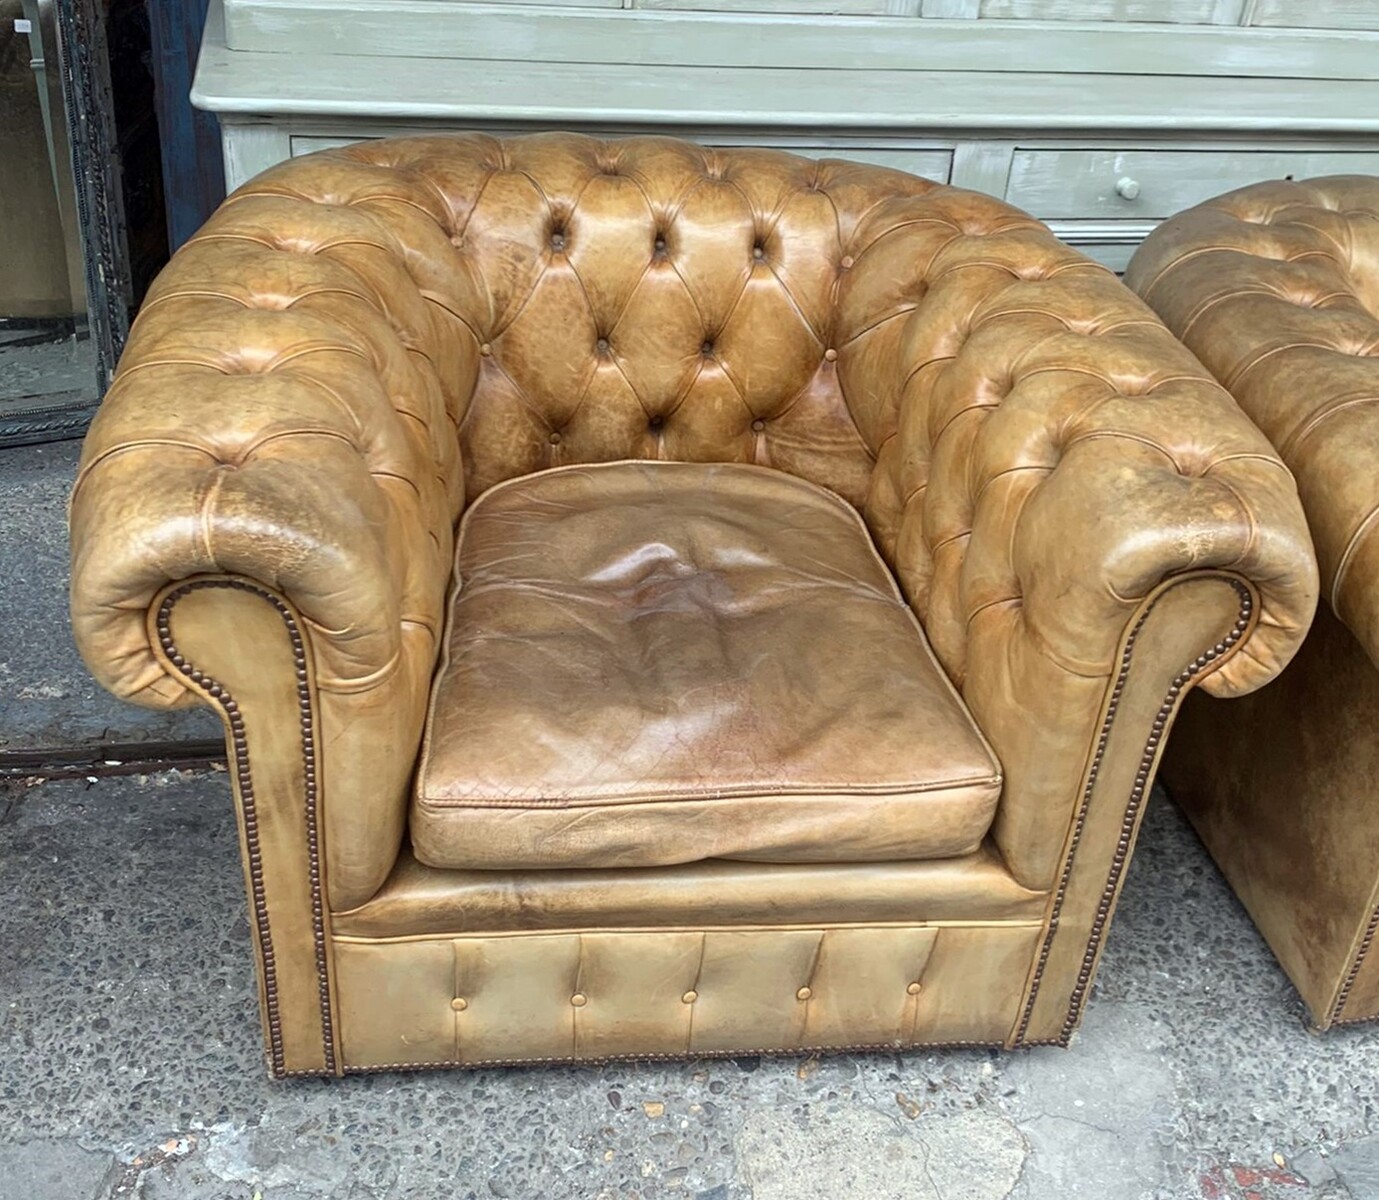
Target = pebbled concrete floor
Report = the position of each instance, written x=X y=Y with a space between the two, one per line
x=129 y=1044
x=130 y=1065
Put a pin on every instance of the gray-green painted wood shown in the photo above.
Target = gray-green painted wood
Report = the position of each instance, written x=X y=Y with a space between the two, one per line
x=563 y=94
x=1186 y=12
x=1119 y=126
x=768 y=41
x=1138 y=184
x=906 y=8
x=1320 y=14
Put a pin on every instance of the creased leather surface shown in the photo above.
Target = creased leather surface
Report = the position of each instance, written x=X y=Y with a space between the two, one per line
x=652 y=663
x=1275 y=287
x=419 y=900
x=1281 y=787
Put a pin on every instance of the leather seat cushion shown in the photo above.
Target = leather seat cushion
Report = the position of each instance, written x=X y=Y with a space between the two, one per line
x=650 y=663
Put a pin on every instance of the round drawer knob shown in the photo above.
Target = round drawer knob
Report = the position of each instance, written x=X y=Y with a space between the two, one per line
x=1127 y=188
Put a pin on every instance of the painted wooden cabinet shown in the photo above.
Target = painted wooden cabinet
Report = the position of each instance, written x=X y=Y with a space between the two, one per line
x=1100 y=116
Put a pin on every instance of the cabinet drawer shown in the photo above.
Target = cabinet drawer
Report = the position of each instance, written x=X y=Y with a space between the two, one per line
x=1075 y=184
x=925 y=162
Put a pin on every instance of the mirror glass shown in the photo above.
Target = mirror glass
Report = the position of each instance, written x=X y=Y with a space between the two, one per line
x=48 y=359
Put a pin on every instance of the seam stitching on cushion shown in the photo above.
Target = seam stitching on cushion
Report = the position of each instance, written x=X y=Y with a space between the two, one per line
x=743 y=792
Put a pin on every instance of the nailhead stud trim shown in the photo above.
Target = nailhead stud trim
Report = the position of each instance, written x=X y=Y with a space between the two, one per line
x=1344 y=994
x=1133 y=805
x=220 y=695
x=774 y=1052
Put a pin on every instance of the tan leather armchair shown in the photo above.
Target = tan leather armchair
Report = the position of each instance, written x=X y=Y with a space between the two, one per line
x=1276 y=288
x=836 y=550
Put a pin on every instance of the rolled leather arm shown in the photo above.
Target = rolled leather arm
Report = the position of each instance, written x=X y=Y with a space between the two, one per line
x=1046 y=449
x=1275 y=287
x=285 y=411
x=1048 y=460
x=285 y=414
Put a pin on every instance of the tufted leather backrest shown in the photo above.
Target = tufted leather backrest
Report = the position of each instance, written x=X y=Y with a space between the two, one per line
x=645 y=298
x=1276 y=288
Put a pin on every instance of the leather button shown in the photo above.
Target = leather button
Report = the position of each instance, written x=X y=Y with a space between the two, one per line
x=831 y=354
x=758 y=252
x=579 y=999
x=707 y=347
x=758 y=425
x=689 y=997
x=804 y=993
x=485 y=349
x=602 y=345
x=846 y=262
x=656 y=424
x=554 y=438
x=660 y=245
x=558 y=240
x=459 y=1004
x=914 y=988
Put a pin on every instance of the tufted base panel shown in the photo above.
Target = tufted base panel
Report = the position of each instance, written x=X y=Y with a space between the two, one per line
x=544 y=997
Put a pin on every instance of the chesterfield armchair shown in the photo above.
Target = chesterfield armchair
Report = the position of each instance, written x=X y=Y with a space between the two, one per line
x=669 y=601
x=1276 y=288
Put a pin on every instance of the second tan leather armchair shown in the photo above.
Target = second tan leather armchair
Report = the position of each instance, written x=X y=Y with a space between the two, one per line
x=1276 y=288
x=835 y=551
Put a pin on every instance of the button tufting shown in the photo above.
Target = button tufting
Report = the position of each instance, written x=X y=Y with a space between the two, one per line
x=758 y=252
x=554 y=438
x=706 y=348
x=485 y=349
x=459 y=1004
x=847 y=262
x=758 y=425
x=804 y=993
x=660 y=245
x=579 y=999
x=656 y=423
x=831 y=354
x=914 y=988
x=558 y=239
x=689 y=997
x=602 y=345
